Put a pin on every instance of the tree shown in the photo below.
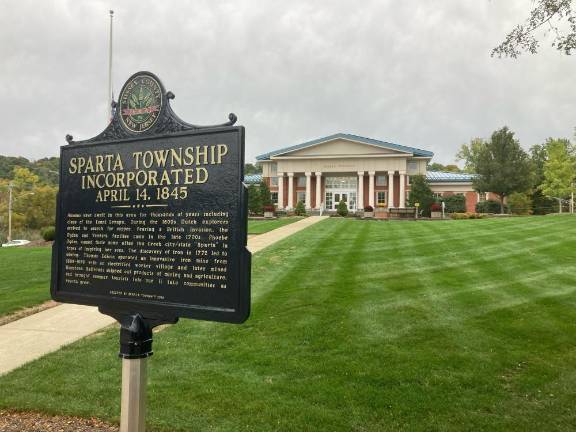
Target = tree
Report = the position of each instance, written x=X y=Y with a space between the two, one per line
x=254 y=199
x=446 y=168
x=265 y=196
x=469 y=154
x=38 y=209
x=547 y=15
x=559 y=170
x=24 y=178
x=541 y=204
x=252 y=169
x=421 y=193
x=502 y=166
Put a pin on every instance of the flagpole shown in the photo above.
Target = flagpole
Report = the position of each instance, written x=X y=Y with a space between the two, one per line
x=109 y=107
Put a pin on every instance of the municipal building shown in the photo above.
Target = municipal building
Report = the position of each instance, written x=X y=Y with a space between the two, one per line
x=360 y=171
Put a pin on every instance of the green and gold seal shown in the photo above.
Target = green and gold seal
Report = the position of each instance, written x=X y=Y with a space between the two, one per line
x=141 y=101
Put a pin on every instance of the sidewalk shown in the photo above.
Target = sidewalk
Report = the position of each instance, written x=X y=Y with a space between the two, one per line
x=32 y=337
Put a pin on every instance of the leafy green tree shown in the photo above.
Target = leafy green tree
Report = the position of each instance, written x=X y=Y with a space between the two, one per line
x=541 y=204
x=342 y=208
x=445 y=168
x=252 y=169
x=265 y=195
x=559 y=171
x=470 y=154
x=554 y=17
x=503 y=167
x=254 y=199
x=421 y=193
x=8 y=163
x=24 y=179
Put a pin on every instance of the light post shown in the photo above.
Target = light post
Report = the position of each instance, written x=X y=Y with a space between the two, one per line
x=10 y=187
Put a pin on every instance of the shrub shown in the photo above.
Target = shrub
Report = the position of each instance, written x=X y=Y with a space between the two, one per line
x=342 y=209
x=436 y=207
x=300 y=210
x=455 y=204
x=467 y=215
x=520 y=203
x=489 y=206
x=48 y=233
x=368 y=208
x=265 y=195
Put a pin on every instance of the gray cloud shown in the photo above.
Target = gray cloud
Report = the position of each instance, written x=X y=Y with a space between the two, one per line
x=416 y=73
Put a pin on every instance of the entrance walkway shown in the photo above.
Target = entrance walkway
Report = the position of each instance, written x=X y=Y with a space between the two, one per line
x=32 y=337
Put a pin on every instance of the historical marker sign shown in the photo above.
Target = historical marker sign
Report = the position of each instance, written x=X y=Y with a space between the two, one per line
x=152 y=214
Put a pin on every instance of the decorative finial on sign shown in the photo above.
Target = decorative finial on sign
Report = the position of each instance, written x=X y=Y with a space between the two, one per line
x=69 y=138
x=170 y=95
x=233 y=119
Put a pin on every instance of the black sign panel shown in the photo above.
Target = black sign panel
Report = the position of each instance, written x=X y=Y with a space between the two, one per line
x=155 y=221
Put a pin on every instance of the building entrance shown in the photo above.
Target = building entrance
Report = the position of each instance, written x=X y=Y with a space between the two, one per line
x=341 y=189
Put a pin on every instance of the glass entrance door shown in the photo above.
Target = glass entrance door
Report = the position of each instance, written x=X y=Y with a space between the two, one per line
x=341 y=189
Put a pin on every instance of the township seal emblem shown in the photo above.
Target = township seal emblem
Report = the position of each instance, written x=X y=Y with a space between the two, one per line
x=141 y=101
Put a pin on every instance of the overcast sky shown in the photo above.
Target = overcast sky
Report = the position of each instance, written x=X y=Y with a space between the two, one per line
x=414 y=72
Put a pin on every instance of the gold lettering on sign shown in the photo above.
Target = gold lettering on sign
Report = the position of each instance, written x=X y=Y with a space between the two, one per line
x=176 y=167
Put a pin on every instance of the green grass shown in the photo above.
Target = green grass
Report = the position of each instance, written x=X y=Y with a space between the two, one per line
x=360 y=326
x=262 y=226
x=24 y=277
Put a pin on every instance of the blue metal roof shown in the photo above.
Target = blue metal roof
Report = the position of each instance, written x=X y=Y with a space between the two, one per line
x=378 y=143
x=448 y=177
x=253 y=179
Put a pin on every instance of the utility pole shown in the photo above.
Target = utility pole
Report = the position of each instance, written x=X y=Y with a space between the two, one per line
x=10 y=187
x=109 y=107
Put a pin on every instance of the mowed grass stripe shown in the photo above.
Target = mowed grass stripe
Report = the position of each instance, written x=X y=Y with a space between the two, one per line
x=360 y=325
x=24 y=277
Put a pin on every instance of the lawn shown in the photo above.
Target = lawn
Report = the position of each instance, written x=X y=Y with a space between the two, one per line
x=260 y=226
x=24 y=277
x=359 y=326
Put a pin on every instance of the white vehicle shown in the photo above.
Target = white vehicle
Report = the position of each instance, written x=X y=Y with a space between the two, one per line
x=15 y=243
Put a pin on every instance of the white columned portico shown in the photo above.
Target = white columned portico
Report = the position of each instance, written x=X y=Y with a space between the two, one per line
x=308 y=190
x=290 y=205
x=360 y=190
x=371 y=187
x=280 y=191
x=402 y=189
x=390 y=188
x=318 y=189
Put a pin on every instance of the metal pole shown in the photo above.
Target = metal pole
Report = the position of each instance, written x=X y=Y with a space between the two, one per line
x=109 y=108
x=135 y=348
x=133 y=406
x=10 y=187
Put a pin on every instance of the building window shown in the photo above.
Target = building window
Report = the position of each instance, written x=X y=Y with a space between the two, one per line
x=301 y=181
x=273 y=181
x=274 y=197
x=381 y=198
x=381 y=180
x=437 y=194
x=481 y=196
x=301 y=196
x=328 y=201
x=273 y=169
x=341 y=182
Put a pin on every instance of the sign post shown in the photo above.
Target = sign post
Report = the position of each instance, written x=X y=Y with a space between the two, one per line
x=151 y=226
